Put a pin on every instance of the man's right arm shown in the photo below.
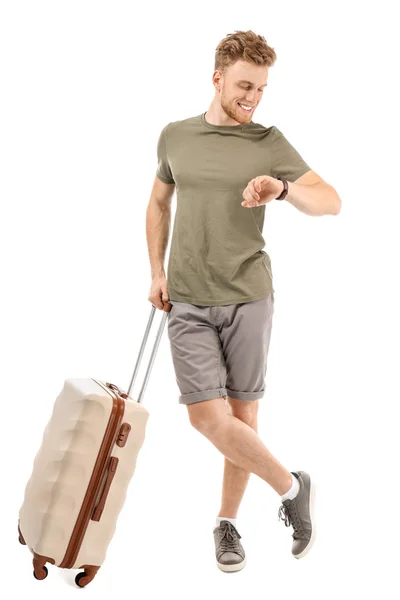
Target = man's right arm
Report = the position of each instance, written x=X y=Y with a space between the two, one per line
x=158 y=217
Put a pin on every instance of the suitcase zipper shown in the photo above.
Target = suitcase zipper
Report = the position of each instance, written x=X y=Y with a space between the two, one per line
x=99 y=470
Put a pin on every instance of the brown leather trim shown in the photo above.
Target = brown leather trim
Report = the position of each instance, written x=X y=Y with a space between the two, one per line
x=100 y=467
x=123 y=435
x=111 y=469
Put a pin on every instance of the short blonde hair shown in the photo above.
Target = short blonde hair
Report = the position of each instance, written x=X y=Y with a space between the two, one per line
x=243 y=45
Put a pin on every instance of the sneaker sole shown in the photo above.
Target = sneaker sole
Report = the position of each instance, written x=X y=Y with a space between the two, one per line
x=313 y=527
x=231 y=568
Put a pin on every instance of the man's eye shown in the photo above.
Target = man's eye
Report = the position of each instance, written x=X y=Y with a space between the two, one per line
x=249 y=88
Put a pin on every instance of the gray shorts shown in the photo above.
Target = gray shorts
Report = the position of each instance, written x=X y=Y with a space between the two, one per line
x=220 y=350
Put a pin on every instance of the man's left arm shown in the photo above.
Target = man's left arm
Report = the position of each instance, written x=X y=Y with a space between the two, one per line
x=313 y=196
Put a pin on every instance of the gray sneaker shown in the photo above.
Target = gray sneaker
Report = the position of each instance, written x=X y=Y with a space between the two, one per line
x=299 y=513
x=229 y=551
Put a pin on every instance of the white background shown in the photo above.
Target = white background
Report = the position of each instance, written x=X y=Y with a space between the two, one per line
x=86 y=89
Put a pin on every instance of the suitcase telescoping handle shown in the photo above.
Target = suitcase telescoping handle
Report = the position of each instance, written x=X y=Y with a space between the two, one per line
x=166 y=310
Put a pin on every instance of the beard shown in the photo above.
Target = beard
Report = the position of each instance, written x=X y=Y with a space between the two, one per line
x=234 y=111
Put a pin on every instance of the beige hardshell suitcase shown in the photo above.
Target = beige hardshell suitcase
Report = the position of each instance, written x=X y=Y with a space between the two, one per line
x=82 y=471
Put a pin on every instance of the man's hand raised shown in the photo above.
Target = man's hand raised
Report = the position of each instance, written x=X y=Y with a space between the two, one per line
x=260 y=190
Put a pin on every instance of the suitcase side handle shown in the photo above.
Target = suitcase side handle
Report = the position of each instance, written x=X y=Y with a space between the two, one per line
x=112 y=467
x=166 y=310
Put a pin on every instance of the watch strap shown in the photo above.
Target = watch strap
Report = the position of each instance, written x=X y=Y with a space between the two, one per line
x=285 y=188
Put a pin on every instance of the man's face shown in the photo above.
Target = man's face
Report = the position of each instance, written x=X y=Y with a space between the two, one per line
x=242 y=85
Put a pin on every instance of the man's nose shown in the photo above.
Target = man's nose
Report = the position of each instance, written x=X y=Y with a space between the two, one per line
x=251 y=98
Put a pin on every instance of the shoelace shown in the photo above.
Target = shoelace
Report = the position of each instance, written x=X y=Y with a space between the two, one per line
x=289 y=514
x=229 y=540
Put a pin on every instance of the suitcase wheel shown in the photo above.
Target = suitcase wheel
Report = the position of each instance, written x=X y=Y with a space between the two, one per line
x=42 y=574
x=20 y=536
x=78 y=578
x=84 y=578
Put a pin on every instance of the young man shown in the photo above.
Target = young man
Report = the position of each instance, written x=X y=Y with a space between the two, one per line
x=226 y=168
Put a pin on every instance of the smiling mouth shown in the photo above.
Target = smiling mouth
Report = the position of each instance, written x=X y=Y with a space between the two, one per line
x=245 y=107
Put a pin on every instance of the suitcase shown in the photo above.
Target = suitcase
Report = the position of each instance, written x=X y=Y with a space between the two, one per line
x=82 y=471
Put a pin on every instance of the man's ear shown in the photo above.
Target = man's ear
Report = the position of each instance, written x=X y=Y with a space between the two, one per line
x=216 y=79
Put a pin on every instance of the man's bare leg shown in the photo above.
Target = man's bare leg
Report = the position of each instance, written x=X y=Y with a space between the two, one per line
x=235 y=478
x=238 y=442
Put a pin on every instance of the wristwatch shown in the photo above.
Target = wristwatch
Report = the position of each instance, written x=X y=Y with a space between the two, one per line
x=285 y=189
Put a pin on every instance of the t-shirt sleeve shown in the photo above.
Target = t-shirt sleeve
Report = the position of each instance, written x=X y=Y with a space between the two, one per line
x=163 y=168
x=285 y=160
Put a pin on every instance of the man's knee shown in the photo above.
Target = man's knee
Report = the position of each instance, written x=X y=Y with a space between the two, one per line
x=207 y=414
x=245 y=410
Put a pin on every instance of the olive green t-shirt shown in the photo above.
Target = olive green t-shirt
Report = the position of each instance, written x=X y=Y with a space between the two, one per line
x=216 y=255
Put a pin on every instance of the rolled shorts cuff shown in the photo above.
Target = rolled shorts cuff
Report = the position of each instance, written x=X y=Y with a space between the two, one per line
x=235 y=395
x=205 y=395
